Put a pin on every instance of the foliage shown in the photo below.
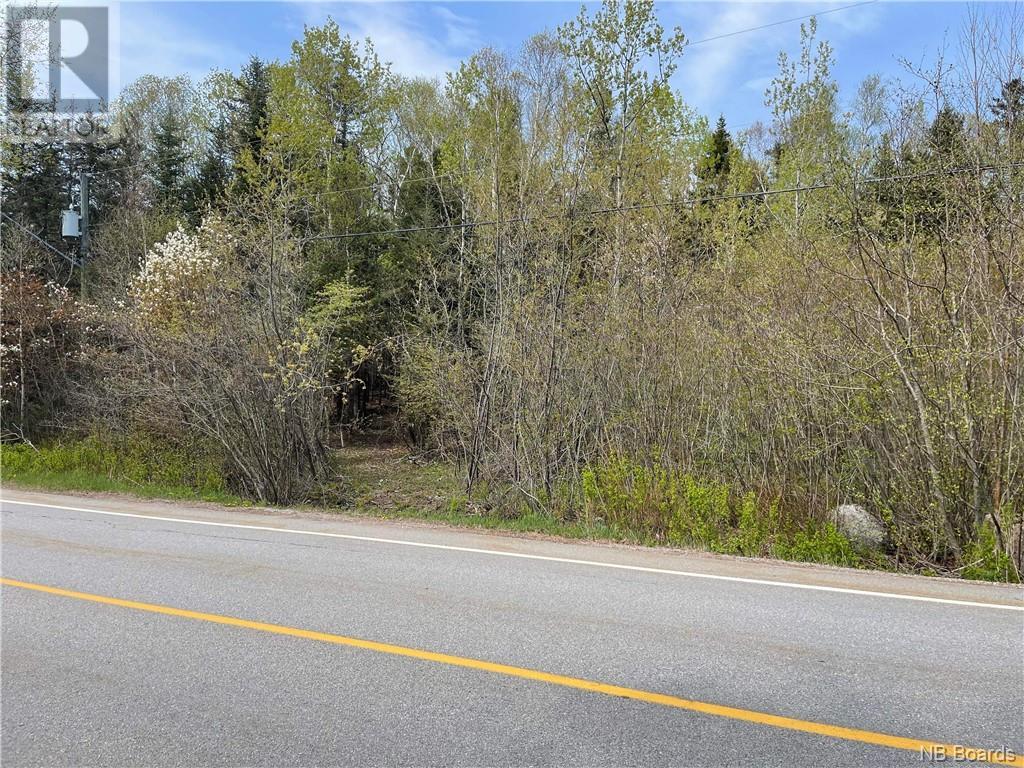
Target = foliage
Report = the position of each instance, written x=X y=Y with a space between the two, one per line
x=137 y=463
x=986 y=560
x=664 y=504
x=217 y=343
x=42 y=332
x=568 y=285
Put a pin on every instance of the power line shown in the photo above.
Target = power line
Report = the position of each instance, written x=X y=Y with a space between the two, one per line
x=265 y=139
x=40 y=240
x=778 y=23
x=675 y=203
x=375 y=185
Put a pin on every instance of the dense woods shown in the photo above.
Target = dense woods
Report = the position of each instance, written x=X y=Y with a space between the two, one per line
x=551 y=273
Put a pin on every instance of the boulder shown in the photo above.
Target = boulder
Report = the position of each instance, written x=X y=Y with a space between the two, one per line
x=859 y=526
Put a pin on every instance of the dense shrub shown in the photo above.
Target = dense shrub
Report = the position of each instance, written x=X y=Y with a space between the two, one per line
x=103 y=461
x=668 y=505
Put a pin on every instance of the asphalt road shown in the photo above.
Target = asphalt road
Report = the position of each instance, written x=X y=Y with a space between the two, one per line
x=484 y=649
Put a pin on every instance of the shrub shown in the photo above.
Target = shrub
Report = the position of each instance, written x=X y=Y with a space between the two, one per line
x=669 y=505
x=118 y=462
x=986 y=561
x=821 y=544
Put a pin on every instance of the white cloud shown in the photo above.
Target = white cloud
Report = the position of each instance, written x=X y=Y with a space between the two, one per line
x=758 y=84
x=461 y=32
x=151 y=42
x=399 y=32
x=707 y=69
x=710 y=73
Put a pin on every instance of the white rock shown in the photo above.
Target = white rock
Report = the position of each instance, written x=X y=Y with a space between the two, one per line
x=859 y=526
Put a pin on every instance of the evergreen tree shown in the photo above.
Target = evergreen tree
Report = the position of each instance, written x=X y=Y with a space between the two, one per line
x=169 y=159
x=715 y=164
x=946 y=133
x=215 y=169
x=1008 y=107
x=249 y=109
x=36 y=184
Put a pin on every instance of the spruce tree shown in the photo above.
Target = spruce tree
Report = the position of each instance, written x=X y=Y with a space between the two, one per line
x=215 y=169
x=169 y=160
x=716 y=162
x=249 y=109
x=1008 y=107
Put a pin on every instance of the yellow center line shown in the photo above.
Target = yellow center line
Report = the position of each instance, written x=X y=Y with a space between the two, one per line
x=923 y=747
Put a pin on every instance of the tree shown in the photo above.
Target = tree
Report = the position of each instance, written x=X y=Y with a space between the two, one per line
x=1008 y=106
x=611 y=51
x=249 y=111
x=945 y=139
x=216 y=345
x=715 y=164
x=215 y=168
x=169 y=170
x=802 y=97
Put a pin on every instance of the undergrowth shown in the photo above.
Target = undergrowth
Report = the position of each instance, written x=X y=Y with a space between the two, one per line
x=622 y=500
x=137 y=464
x=676 y=508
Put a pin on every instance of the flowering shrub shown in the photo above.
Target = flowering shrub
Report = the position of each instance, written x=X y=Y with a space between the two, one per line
x=217 y=350
x=180 y=279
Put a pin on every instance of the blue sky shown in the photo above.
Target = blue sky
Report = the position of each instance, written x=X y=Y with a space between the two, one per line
x=725 y=76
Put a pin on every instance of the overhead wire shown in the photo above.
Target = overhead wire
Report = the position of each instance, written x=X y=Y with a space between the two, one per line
x=724 y=35
x=761 y=194
x=38 y=239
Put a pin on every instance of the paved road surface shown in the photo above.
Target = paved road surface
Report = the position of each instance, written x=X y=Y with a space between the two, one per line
x=166 y=679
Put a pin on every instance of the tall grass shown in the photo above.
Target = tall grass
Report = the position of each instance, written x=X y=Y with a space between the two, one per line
x=136 y=463
x=674 y=507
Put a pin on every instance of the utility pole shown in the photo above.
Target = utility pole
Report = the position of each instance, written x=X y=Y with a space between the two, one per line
x=83 y=250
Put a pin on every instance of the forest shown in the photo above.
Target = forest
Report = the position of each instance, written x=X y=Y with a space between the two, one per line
x=549 y=277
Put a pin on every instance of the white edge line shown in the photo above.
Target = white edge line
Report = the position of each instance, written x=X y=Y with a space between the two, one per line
x=525 y=556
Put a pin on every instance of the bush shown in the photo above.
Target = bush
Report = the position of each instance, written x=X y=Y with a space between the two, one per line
x=986 y=561
x=654 y=502
x=824 y=544
x=136 y=462
x=217 y=347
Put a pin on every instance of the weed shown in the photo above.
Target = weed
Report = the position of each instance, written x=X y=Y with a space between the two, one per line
x=137 y=464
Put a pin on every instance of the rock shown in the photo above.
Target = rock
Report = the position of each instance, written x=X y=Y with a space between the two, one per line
x=859 y=526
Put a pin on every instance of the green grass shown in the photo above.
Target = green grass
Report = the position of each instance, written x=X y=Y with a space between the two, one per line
x=622 y=502
x=386 y=482
x=459 y=513
x=675 y=507
x=137 y=465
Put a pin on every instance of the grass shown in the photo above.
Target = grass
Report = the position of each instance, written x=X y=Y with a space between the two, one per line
x=139 y=466
x=622 y=502
x=389 y=483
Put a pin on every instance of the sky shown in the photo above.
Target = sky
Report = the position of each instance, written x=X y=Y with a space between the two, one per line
x=726 y=76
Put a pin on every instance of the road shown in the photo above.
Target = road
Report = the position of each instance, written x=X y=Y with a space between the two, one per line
x=150 y=633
